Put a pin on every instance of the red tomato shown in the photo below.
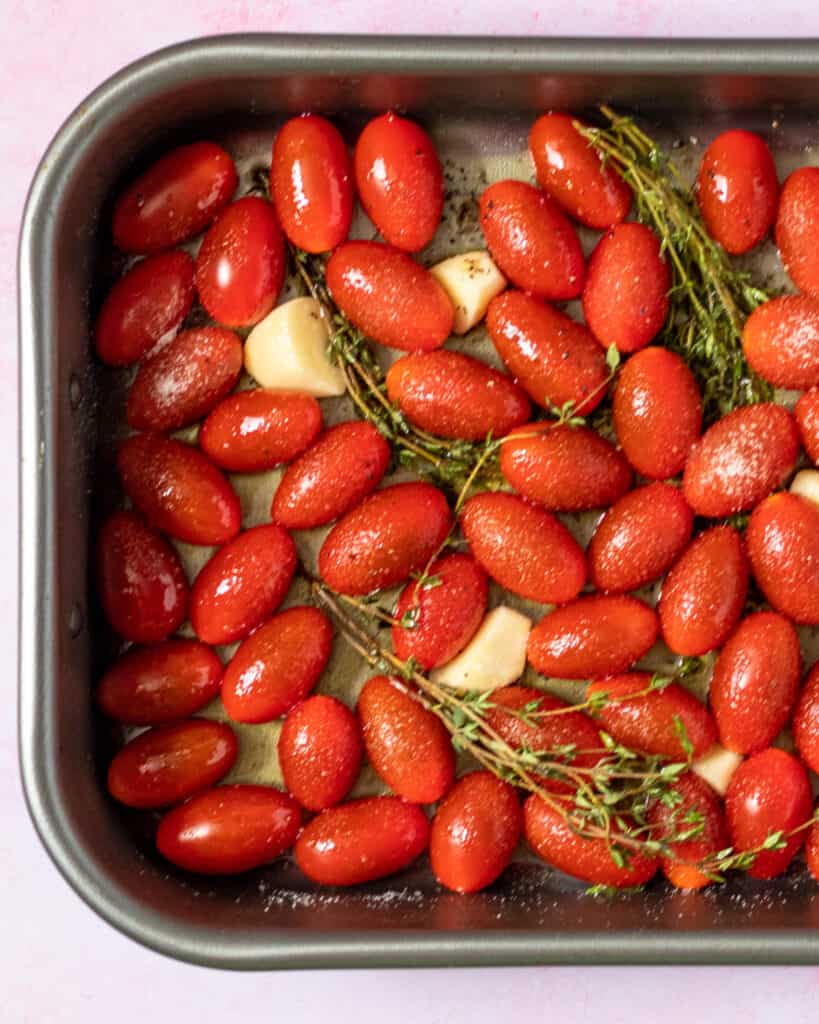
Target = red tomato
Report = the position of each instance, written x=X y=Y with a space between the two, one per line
x=391 y=298
x=704 y=594
x=242 y=584
x=174 y=199
x=593 y=636
x=166 y=765
x=768 y=792
x=657 y=412
x=362 y=840
x=697 y=797
x=390 y=535
x=338 y=471
x=185 y=380
x=158 y=685
x=320 y=752
x=256 y=430
x=756 y=682
x=554 y=358
x=639 y=538
x=475 y=832
x=400 y=181
x=553 y=840
x=783 y=546
x=277 y=665
x=807 y=419
x=526 y=549
x=141 y=582
x=407 y=745
x=797 y=225
x=241 y=264
x=229 y=829
x=737 y=190
x=806 y=721
x=454 y=395
x=741 y=459
x=781 y=341
x=144 y=307
x=625 y=299
x=178 y=490
x=311 y=183
x=532 y=241
x=564 y=468
x=573 y=174
x=443 y=614
x=649 y=722
x=812 y=851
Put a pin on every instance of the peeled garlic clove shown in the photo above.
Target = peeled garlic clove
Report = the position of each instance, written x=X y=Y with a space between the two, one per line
x=717 y=766
x=806 y=484
x=494 y=657
x=471 y=280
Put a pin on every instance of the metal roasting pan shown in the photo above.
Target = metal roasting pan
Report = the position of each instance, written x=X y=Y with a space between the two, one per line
x=480 y=94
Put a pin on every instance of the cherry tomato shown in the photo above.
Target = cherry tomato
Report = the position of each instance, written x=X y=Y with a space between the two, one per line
x=783 y=546
x=159 y=685
x=142 y=586
x=178 y=490
x=781 y=341
x=145 y=306
x=229 y=829
x=807 y=419
x=797 y=224
x=391 y=298
x=277 y=665
x=554 y=358
x=532 y=241
x=697 y=798
x=812 y=851
x=400 y=181
x=337 y=472
x=241 y=264
x=806 y=721
x=311 y=183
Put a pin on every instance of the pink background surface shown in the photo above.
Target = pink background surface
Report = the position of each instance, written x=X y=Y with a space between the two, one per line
x=58 y=962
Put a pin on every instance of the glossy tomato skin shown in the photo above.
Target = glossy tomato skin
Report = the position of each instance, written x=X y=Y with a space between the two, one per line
x=806 y=721
x=241 y=264
x=278 y=665
x=242 y=584
x=362 y=840
x=781 y=341
x=812 y=851
x=178 y=490
x=443 y=618
x=573 y=175
x=407 y=745
x=807 y=419
x=697 y=796
x=657 y=412
x=146 y=305
x=704 y=593
x=553 y=841
x=141 y=582
x=453 y=395
x=185 y=380
x=391 y=298
x=564 y=468
x=783 y=546
x=523 y=547
x=648 y=722
x=229 y=829
x=161 y=684
x=345 y=464
x=755 y=682
x=390 y=535
x=174 y=199
x=741 y=459
x=164 y=766
x=639 y=538
x=311 y=183
x=797 y=224
x=532 y=241
x=625 y=298
x=737 y=190
x=555 y=359
x=400 y=181
x=320 y=751
x=474 y=832
x=592 y=637
x=769 y=791
x=255 y=430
